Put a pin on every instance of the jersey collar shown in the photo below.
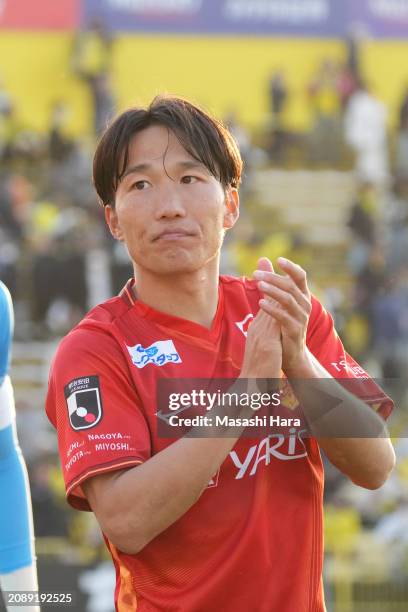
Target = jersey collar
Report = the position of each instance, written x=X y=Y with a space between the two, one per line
x=177 y=325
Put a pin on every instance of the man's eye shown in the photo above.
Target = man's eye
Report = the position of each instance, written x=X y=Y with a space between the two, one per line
x=140 y=185
x=187 y=180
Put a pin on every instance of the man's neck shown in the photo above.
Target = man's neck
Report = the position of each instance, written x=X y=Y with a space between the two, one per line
x=193 y=297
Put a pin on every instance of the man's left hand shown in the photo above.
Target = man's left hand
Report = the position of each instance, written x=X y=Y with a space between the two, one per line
x=288 y=300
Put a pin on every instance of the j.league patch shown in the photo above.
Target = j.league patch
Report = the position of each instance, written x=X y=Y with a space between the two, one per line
x=83 y=402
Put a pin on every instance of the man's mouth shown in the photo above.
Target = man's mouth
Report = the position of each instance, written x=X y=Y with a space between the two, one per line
x=172 y=234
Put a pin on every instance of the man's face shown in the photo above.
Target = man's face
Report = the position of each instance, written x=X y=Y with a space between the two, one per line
x=169 y=210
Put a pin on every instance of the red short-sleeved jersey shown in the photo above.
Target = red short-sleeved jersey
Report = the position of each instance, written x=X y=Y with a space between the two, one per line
x=253 y=541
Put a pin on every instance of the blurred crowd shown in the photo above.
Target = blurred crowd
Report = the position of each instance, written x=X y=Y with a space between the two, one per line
x=58 y=260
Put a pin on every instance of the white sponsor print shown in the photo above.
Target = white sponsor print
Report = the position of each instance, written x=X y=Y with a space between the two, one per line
x=74 y=447
x=112 y=446
x=268 y=448
x=263 y=452
x=344 y=366
x=78 y=384
x=108 y=436
x=244 y=324
x=159 y=353
x=76 y=457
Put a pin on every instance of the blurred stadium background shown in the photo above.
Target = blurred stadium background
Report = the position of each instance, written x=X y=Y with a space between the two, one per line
x=316 y=93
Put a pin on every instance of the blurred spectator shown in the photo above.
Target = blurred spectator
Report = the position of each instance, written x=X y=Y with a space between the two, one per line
x=366 y=133
x=278 y=93
x=44 y=280
x=367 y=263
x=401 y=156
x=401 y=161
x=350 y=72
x=72 y=175
x=278 y=97
x=59 y=144
x=370 y=283
x=5 y=98
x=392 y=531
x=353 y=61
x=391 y=324
x=6 y=129
x=325 y=137
x=363 y=225
x=50 y=516
x=10 y=128
x=397 y=250
x=16 y=197
x=59 y=293
x=347 y=84
x=10 y=216
x=403 y=113
x=91 y=62
x=364 y=213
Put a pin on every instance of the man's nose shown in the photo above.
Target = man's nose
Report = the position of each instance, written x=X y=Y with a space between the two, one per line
x=169 y=203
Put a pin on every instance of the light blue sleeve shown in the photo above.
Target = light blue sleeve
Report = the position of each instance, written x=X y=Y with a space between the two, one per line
x=6 y=330
x=16 y=537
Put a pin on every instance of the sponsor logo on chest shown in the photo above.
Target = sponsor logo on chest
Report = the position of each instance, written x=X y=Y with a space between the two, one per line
x=245 y=462
x=159 y=353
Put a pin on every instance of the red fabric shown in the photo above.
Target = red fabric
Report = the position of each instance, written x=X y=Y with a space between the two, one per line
x=253 y=541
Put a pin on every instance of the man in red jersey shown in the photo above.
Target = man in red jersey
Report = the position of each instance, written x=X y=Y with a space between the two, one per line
x=199 y=523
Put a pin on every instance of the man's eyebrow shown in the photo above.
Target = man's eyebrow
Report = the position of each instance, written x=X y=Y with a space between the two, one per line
x=136 y=168
x=188 y=164
x=192 y=163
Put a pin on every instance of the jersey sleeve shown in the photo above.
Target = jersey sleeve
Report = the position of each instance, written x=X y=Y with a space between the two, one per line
x=325 y=344
x=6 y=330
x=96 y=410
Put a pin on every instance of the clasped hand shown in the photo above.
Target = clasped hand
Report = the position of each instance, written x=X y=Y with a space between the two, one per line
x=281 y=324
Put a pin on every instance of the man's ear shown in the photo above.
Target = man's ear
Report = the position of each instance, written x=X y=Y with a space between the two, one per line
x=231 y=207
x=111 y=219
